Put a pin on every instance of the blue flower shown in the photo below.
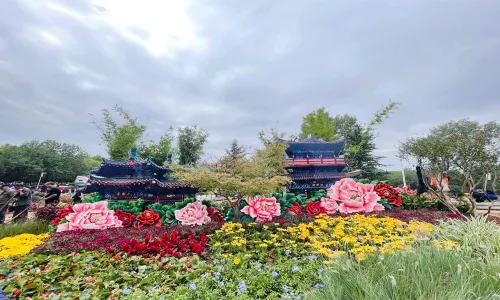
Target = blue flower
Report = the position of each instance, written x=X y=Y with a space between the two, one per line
x=192 y=287
x=275 y=274
x=216 y=276
x=126 y=291
x=287 y=252
x=319 y=286
x=312 y=257
x=285 y=288
x=221 y=283
x=295 y=269
x=215 y=261
x=298 y=298
x=242 y=286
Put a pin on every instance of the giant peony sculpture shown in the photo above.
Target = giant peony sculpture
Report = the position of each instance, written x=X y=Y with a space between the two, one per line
x=90 y=216
x=354 y=197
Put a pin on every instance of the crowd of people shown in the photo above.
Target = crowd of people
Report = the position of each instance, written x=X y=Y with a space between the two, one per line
x=18 y=198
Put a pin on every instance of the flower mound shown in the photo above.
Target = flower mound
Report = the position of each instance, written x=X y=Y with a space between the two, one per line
x=20 y=244
x=263 y=209
x=90 y=216
x=126 y=217
x=386 y=191
x=215 y=215
x=193 y=214
x=355 y=197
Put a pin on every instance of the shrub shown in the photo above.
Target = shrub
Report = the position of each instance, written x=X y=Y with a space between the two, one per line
x=30 y=226
x=425 y=273
x=46 y=213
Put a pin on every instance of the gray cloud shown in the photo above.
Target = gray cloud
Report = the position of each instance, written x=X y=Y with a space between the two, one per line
x=238 y=67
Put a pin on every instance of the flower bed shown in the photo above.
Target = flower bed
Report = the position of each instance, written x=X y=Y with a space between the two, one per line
x=20 y=244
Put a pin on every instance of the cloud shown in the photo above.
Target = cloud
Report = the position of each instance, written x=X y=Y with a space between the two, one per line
x=235 y=68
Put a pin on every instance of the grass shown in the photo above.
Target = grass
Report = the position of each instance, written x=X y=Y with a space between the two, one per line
x=422 y=273
x=30 y=226
x=477 y=238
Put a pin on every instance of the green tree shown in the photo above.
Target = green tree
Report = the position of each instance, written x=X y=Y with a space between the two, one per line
x=360 y=145
x=395 y=178
x=59 y=161
x=119 y=138
x=191 y=141
x=319 y=124
x=159 y=151
x=465 y=146
x=344 y=125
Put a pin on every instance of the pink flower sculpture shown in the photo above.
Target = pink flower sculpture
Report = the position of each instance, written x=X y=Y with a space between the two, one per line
x=90 y=216
x=194 y=213
x=355 y=197
x=329 y=205
x=261 y=208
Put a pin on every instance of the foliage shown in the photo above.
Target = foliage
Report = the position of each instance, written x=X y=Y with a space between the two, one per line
x=478 y=238
x=135 y=207
x=344 y=125
x=20 y=244
x=423 y=273
x=465 y=146
x=30 y=226
x=360 y=145
x=159 y=151
x=92 y=275
x=59 y=161
x=319 y=124
x=261 y=173
x=119 y=138
x=191 y=141
x=92 y=198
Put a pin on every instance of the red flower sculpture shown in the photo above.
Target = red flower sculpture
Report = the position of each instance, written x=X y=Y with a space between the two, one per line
x=126 y=217
x=63 y=212
x=386 y=191
x=146 y=218
x=215 y=215
x=295 y=209
x=314 y=208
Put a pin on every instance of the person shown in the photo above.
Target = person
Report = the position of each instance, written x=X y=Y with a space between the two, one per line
x=53 y=193
x=6 y=196
x=77 y=197
x=22 y=202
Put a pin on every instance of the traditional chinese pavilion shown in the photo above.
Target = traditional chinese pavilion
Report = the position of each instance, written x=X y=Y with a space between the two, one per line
x=136 y=178
x=316 y=164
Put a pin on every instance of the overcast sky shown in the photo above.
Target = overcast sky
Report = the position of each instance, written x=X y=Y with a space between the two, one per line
x=237 y=67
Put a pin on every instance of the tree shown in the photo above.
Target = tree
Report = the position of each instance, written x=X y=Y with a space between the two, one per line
x=159 y=151
x=236 y=151
x=191 y=141
x=465 y=146
x=360 y=145
x=119 y=138
x=59 y=161
x=395 y=178
x=319 y=124
x=344 y=125
x=251 y=175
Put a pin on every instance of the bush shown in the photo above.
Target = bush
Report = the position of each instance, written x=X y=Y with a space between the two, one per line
x=47 y=213
x=30 y=226
x=424 y=273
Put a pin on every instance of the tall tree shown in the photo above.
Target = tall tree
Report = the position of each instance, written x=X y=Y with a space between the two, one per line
x=360 y=145
x=236 y=150
x=191 y=141
x=344 y=125
x=466 y=146
x=117 y=137
x=319 y=124
x=159 y=151
x=60 y=162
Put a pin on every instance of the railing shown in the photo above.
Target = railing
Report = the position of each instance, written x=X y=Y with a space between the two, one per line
x=316 y=161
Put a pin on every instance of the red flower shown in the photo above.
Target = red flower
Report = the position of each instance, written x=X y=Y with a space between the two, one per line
x=295 y=209
x=56 y=221
x=110 y=250
x=16 y=293
x=215 y=215
x=314 y=208
x=147 y=218
x=386 y=191
x=126 y=217
x=65 y=211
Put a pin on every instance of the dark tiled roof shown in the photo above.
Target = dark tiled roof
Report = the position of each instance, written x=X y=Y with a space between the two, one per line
x=138 y=182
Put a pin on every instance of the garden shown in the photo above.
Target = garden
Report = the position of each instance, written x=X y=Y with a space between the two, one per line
x=356 y=240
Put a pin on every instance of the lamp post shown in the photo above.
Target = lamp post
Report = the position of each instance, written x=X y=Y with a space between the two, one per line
x=40 y=179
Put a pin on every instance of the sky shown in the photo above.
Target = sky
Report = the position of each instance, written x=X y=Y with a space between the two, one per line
x=237 y=67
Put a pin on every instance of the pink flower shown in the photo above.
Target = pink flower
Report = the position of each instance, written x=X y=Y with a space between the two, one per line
x=261 y=208
x=90 y=216
x=355 y=197
x=329 y=205
x=194 y=213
